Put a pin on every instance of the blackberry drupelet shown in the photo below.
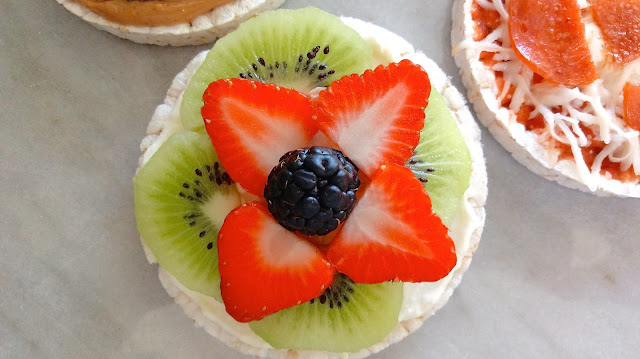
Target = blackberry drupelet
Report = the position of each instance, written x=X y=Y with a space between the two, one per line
x=312 y=190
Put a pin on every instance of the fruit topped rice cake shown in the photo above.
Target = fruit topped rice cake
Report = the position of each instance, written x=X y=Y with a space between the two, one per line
x=311 y=187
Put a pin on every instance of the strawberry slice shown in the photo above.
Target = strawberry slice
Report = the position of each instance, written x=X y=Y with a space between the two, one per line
x=393 y=234
x=265 y=268
x=252 y=124
x=376 y=118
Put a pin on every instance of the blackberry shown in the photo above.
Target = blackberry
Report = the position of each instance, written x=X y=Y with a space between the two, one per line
x=312 y=190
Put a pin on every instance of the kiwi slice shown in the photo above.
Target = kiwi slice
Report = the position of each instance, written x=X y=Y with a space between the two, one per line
x=182 y=196
x=300 y=49
x=442 y=161
x=347 y=317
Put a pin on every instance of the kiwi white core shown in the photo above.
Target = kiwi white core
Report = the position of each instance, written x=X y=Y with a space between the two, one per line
x=218 y=206
x=421 y=300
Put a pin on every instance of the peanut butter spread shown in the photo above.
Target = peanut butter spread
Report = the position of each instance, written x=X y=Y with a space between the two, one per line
x=151 y=12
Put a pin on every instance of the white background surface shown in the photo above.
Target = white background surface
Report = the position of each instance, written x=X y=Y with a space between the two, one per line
x=556 y=275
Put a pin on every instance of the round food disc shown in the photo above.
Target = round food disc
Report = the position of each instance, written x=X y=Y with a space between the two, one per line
x=421 y=300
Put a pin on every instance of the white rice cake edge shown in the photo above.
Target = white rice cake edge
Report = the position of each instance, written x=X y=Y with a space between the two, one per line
x=204 y=29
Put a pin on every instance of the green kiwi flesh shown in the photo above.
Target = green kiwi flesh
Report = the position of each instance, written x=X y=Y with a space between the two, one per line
x=182 y=195
x=347 y=317
x=300 y=49
x=442 y=161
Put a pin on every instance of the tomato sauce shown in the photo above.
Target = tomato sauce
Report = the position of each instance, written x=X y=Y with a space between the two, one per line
x=485 y=21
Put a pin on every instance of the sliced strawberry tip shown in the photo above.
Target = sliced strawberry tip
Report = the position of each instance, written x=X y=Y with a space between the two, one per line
x=393 y=234
x=375 y=118
x=549 y=37
x=252 y=124
x=265 y=268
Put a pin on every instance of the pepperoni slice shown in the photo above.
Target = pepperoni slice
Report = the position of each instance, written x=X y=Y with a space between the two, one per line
x=632 y=106
x=549 y=37
x=619 y=21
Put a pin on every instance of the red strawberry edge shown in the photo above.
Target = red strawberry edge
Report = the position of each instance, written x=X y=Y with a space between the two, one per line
x=375 y=118
x=393 y=233
x=265 y=268
x=252 y=124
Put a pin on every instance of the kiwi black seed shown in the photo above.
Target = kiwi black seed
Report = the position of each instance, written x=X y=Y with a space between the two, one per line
x=311 y=64
x=182 y=195
x=300 y=49
x=336 y=294
x=198 y=190
x=346 y=317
